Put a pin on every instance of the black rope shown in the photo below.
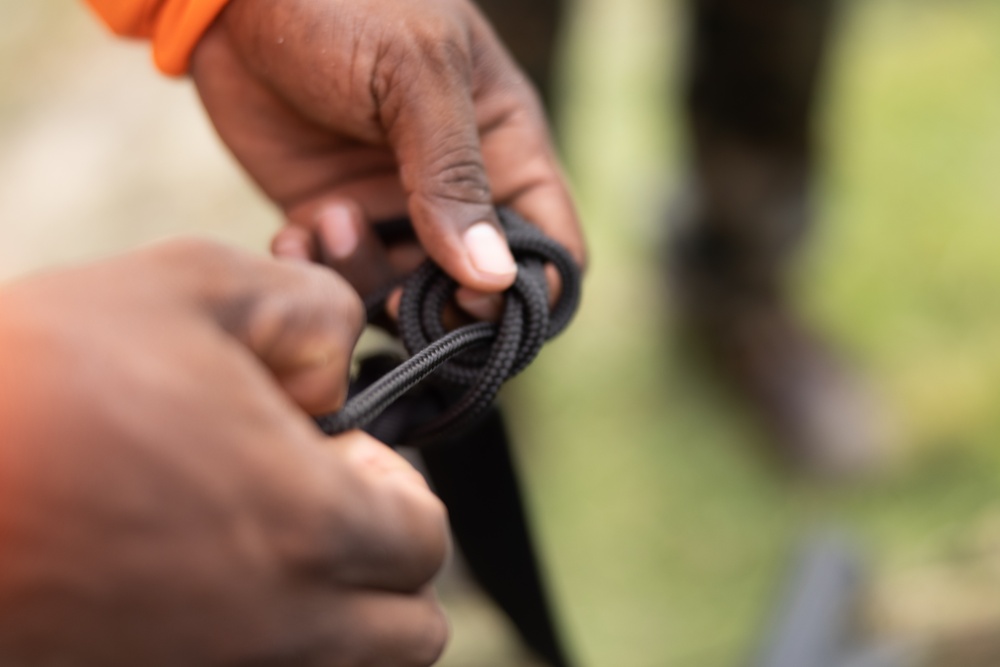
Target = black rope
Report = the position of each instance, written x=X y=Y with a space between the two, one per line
x=476 y=359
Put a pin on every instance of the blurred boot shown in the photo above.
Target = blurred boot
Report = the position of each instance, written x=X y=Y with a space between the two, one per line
x=734 y=304
x=753 y=70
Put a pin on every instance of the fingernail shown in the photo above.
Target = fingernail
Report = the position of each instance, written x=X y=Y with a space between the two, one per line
x=488 y=251
x=338 y=231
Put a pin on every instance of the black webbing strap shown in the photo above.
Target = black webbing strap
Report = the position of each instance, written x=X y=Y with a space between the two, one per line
x=475 y=475
x=475 y=359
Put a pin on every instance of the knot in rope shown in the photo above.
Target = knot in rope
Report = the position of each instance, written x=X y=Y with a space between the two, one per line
x=468 y=364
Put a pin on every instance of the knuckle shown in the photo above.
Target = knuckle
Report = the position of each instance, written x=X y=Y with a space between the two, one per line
x=209 y=269
x=313 y=543
x=436 y=43
x=333 y=398
x=432 y=54
x=430 y=538
x=433 y=637
x=351 y=309
x=269 y=321
x=445 y=57
x=329 y=305
x=440 y=40
x=307 y=304
x=459 y=174
x=418 y=523
x=335 y=293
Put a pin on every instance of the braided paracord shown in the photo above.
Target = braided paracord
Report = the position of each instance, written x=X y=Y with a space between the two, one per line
x=478 y=357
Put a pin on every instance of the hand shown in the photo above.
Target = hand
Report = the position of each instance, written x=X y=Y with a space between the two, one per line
x=164 y=498
x=348 y=112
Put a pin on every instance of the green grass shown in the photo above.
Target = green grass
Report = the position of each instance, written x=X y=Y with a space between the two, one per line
x=665 y=533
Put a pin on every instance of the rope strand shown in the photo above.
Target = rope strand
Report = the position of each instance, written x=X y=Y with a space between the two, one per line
x=478 y=357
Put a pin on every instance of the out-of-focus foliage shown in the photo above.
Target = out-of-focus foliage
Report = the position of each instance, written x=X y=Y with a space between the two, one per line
x=667 y=532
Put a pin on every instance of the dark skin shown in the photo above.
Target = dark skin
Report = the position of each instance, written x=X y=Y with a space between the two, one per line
x=348 y=112
x=164 y=497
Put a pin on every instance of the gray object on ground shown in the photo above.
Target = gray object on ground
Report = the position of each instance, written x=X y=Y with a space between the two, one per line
x=817 y=621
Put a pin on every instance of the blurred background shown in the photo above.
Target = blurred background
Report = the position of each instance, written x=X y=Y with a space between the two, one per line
x=665 y=533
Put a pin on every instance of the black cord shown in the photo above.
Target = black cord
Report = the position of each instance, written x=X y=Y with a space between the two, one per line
x=478 y=358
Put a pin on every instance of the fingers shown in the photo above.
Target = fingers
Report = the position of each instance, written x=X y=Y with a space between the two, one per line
x=304 y=326
x=302 y=321
x=425 y=89
x=335 y=230
x=521 y=161
x=386 y=630
x=549 y=206
x=294 y=242
x=400 y=631
x=526 y=177
x=393 y=529
x=460 y=156
x=525 y=171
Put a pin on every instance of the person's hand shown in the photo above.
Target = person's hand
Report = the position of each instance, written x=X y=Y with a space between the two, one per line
x=347 y=112
x=165 y=499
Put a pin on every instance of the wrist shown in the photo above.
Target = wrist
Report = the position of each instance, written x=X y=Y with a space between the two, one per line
x=173 y=26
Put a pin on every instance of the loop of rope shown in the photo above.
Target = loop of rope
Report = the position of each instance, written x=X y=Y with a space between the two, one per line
x=478 y=357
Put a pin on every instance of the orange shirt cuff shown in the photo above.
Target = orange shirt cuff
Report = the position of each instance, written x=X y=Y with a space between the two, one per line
x=174 y=26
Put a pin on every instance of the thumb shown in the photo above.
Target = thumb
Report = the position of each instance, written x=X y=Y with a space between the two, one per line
x=436 y=140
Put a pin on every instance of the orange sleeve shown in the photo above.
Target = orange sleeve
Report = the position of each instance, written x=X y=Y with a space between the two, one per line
x=174 y=26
